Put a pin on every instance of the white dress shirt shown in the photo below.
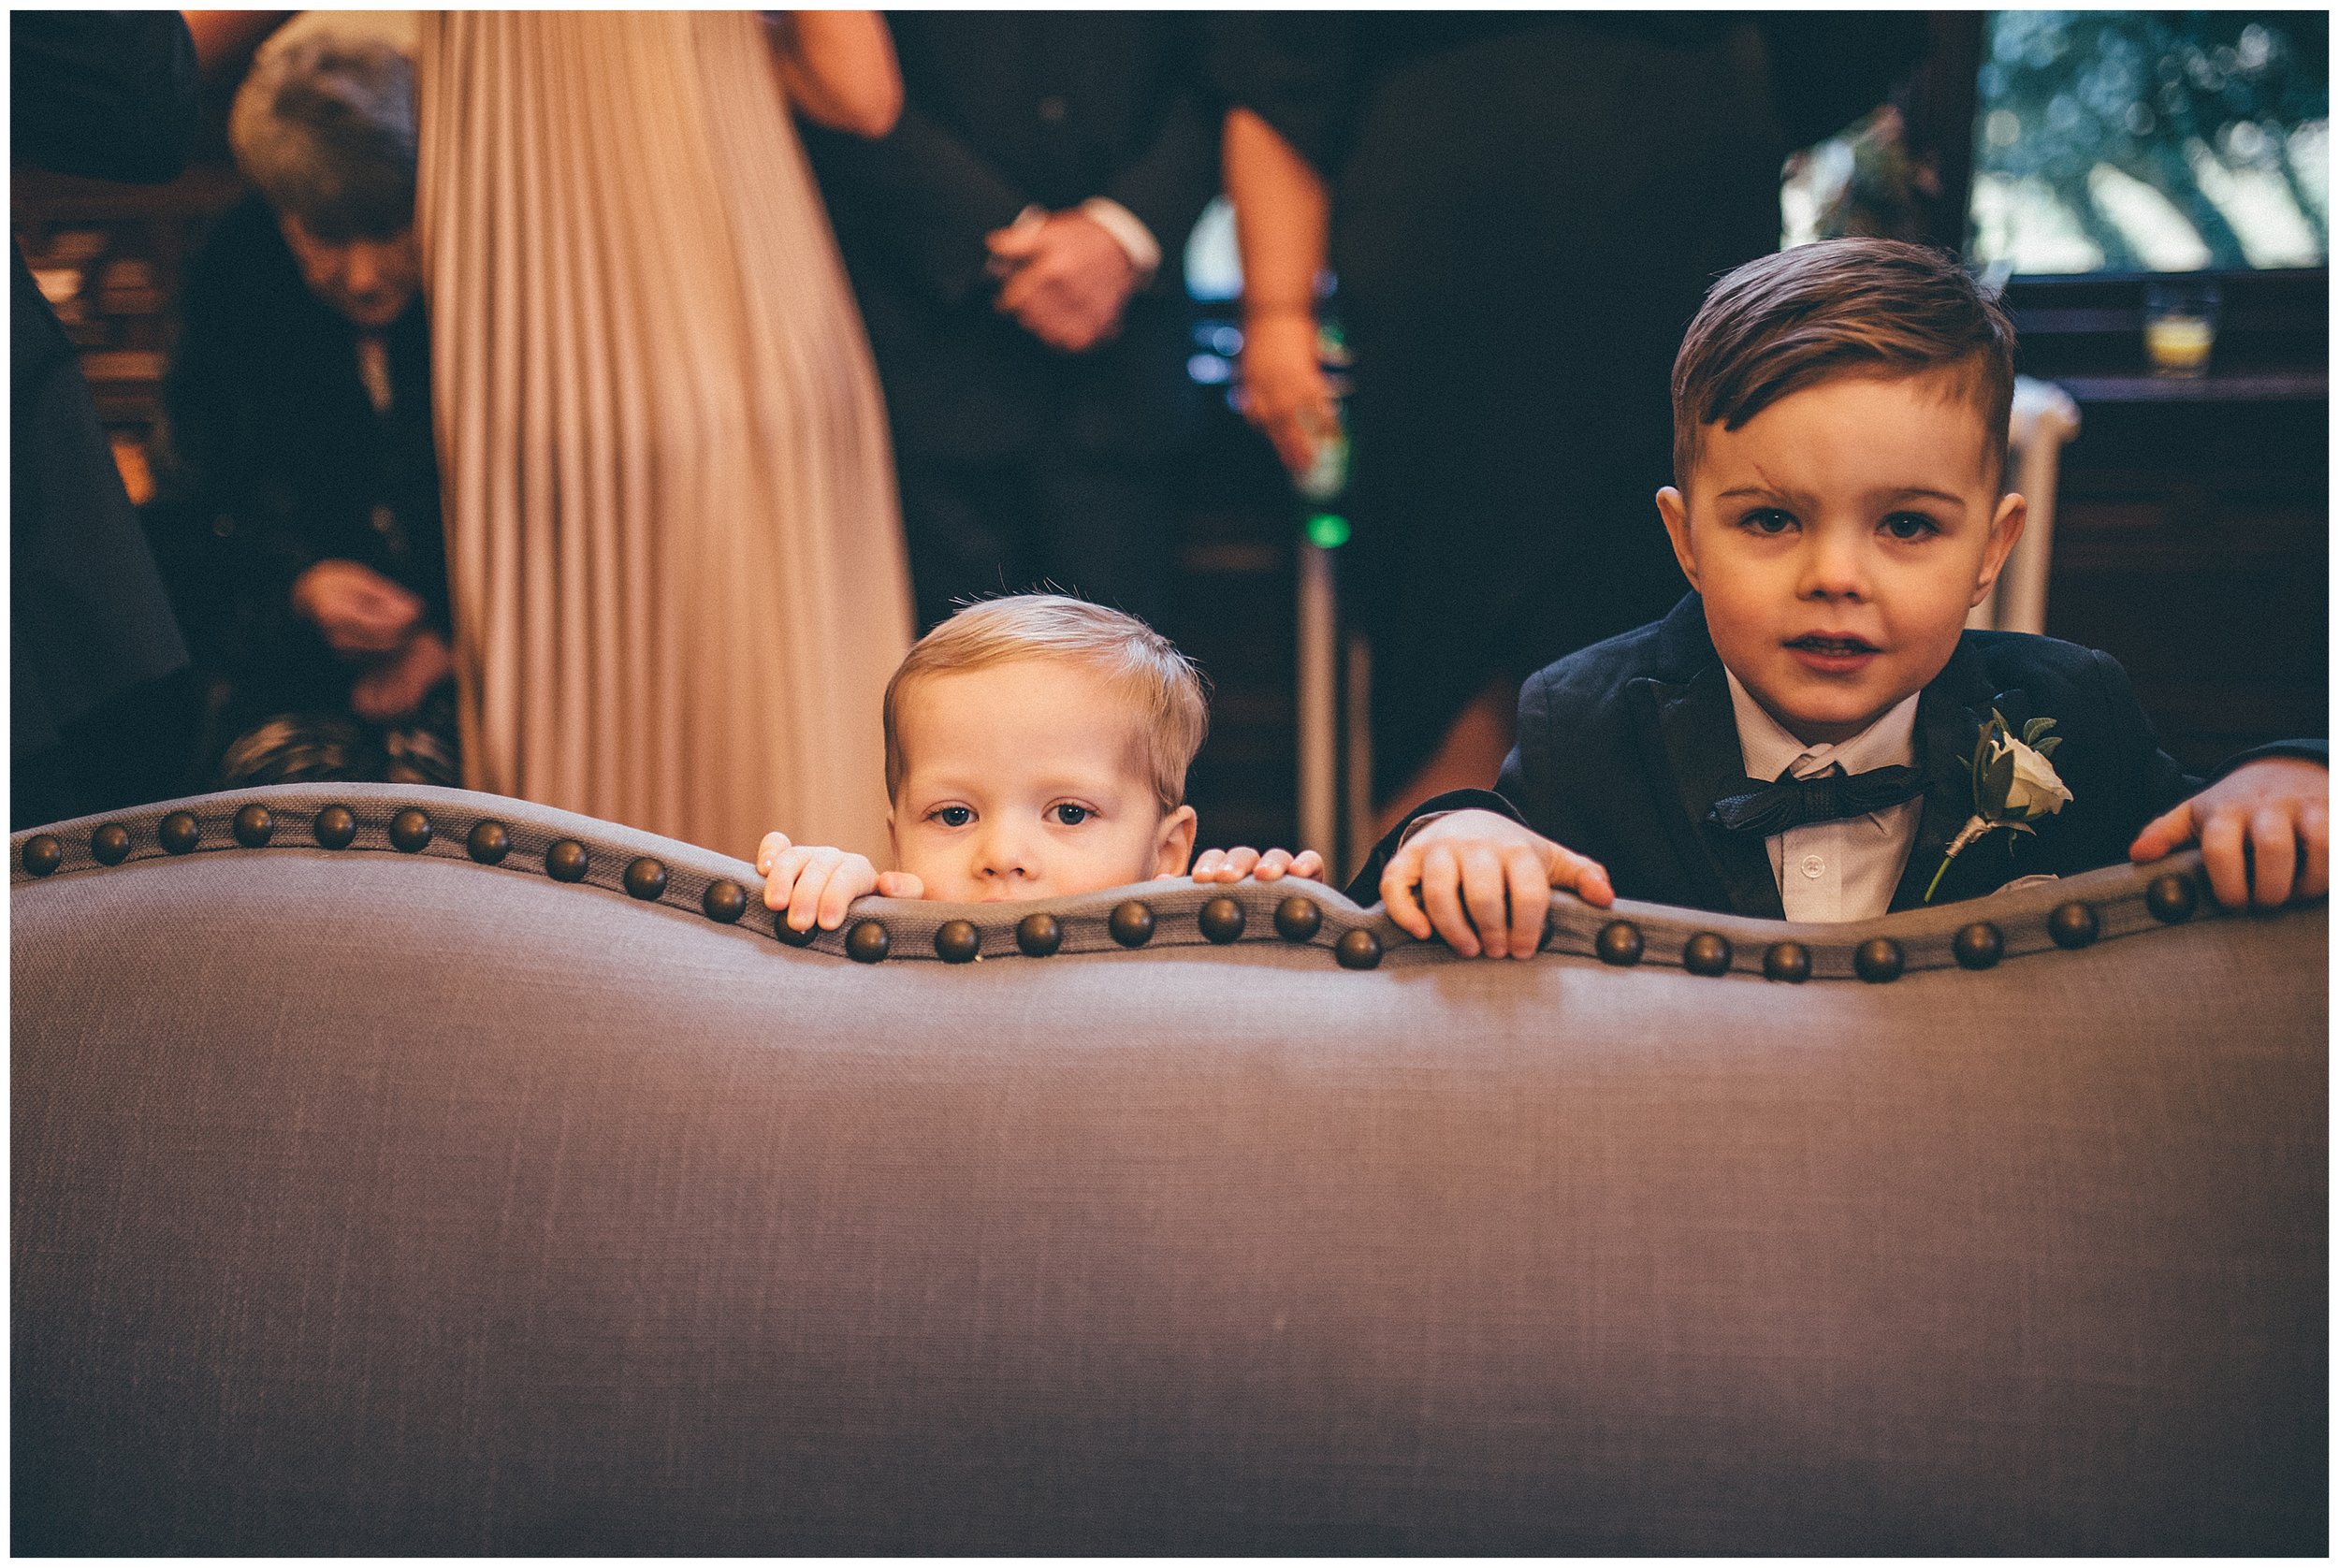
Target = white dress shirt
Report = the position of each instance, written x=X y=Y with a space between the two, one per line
x=1127 y=229
x=1129 y=232
x=1843 y=870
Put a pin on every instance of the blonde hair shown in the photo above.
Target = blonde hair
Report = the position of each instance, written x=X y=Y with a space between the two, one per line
x=1164 y=686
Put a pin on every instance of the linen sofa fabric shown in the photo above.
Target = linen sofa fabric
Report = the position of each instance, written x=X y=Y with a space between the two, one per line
x=375 y=1201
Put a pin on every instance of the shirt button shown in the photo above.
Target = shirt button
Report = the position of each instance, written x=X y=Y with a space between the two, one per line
x=1053 y=108
x=1814 y=866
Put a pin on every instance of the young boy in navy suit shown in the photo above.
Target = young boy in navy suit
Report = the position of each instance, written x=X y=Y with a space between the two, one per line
x=1796 y=739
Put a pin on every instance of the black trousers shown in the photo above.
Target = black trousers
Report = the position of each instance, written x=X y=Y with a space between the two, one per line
x=1098 y=528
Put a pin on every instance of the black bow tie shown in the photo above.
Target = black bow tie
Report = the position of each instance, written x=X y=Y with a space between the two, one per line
x=1765 y=809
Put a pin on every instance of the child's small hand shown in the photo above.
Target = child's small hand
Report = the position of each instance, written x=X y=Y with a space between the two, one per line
x=2277 y=808
x=1232 y=865
x=1485 y=881
x=814 y=883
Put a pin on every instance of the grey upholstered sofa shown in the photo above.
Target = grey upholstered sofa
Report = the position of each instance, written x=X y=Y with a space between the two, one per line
x=401 y=1171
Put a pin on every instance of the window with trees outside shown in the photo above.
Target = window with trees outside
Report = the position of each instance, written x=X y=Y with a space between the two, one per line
x=2110 y=142
x=2152 y=141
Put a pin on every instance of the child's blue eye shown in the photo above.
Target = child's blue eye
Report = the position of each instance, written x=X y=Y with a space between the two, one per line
x=1070 y=815
x=1911 y=524
x=954 y=815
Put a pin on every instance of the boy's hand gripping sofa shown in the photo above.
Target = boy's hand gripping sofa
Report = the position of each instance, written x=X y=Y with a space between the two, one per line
x=402 y=1171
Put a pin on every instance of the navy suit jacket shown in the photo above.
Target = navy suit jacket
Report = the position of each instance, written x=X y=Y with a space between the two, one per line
x=1004 y=110
x=1624 y=746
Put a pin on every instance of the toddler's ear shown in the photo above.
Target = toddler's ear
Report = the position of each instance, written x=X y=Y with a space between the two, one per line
x=2005 y=526
x=1675 y=509
x=1173 y=843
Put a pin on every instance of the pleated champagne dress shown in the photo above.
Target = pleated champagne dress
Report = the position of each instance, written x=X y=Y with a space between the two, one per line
x=671 y=534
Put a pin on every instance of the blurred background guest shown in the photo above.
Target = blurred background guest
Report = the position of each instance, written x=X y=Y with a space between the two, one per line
x=99 y=699
x=1524 y=211
x=300 y=512
x=675 y=557
x=1017 y=246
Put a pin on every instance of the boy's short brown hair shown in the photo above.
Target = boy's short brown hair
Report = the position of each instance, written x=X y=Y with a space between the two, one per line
x=1838 y=306
x=1163 y=684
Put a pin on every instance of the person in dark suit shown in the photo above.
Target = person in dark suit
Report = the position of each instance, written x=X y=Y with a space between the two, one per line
x=99 y=703
x=1804 y=734
x=1016 y=245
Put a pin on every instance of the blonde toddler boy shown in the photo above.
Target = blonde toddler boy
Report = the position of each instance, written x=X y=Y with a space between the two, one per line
x=1036 y=746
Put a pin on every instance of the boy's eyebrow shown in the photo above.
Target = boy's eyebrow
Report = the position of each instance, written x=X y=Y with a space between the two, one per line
x=1928 y=493
x=957 y=781
x=1766 y=491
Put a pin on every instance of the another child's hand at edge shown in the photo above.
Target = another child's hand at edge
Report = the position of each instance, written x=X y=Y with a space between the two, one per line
x=1232 y=865
x=1485 y=882
x=814 y=882
x=2279 y=809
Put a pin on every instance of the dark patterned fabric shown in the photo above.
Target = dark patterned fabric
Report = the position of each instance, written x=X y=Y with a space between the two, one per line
x=425 y=748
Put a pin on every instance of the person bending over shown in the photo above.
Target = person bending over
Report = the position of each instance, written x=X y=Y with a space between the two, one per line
x=1036 y=746
x=1812 y=734
x=301 y=513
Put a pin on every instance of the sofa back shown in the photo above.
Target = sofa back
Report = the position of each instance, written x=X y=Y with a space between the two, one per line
x=405 y=1196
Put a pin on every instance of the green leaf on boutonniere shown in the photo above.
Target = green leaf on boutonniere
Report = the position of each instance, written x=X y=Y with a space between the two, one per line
x=2013 y=785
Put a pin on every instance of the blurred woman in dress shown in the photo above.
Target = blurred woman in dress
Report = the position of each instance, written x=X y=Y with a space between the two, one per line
x=675 y=550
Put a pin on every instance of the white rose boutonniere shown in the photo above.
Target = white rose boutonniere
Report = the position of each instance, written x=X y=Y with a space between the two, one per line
x=2013 y=785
